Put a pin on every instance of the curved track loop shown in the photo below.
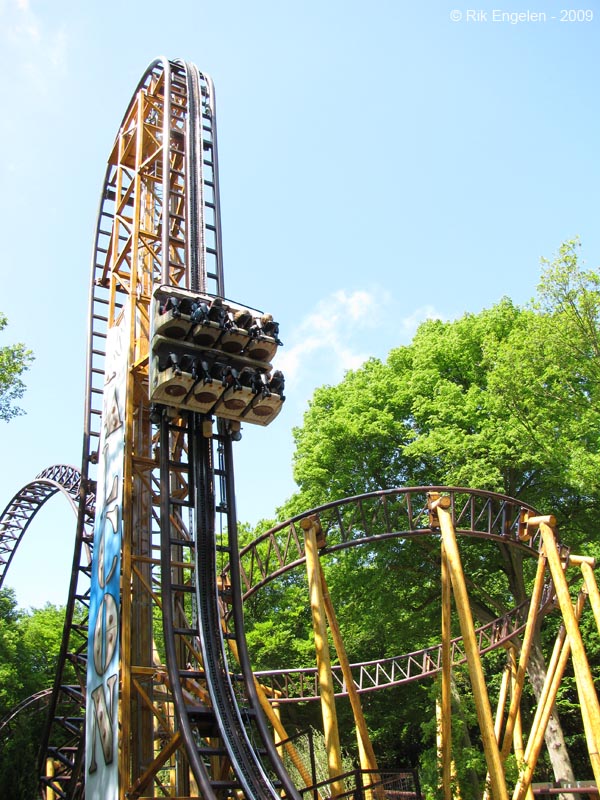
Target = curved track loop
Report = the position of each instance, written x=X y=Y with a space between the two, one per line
x=26 y=503
x=159 y=223
x=361 y=520
x=37 y=703
x=375 y=516
x=366 y=520
x=302 y=684
x=65 y=703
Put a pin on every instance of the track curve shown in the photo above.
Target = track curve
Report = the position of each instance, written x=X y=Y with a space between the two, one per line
x=181 y=702
x=380 y=515
x=375 y=517
x=27 y=502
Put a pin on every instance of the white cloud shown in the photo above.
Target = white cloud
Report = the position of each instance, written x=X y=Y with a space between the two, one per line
x=328 y=342
x=411 y=323
x=340 y=334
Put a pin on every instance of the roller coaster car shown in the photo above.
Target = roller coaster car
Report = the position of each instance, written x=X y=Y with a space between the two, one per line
x=209 y=316
x=170 y=320
x=236 y=337
x=185 y=384
x=250 y=398
x=204 y=396
x=170 y=386
x=264 y=339
x=263 y=410
x=211 y=356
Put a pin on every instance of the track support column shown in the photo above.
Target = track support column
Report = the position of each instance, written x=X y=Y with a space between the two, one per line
x=310 y=527
x=583 y=676
x=445 y=717
x=482 y=702
x=368 y=762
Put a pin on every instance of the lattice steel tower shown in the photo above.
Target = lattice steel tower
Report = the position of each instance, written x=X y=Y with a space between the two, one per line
x=174 y=370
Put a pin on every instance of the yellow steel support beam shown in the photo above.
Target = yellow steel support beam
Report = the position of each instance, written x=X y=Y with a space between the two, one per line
x=50 y=793
x=502 y=696
x=365 y=747
x=445 y=721
x=554 y=673
x=519 y=680
x=587 y=568
x=138 y=786
x=317 y=606
x=588 y=697
x=518 y=748
x=480 y=695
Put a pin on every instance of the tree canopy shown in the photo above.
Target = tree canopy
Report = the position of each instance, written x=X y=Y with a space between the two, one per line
x=506 y=400
x=29 y=646
x=14 y=361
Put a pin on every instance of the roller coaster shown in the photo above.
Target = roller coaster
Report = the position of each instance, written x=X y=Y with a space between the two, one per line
x=165 y=702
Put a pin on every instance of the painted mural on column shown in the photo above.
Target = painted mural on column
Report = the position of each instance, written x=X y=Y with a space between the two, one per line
x=101 y=759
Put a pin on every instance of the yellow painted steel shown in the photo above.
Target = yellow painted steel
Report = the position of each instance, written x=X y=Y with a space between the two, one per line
x=518 y=726
x=502 y=695
x=588 y=697
x=146 y=778
x=365 y=747
x=132 y=269
x=317 y=605
x=519 y=678
x=480 y=694
x=554 y=673
x=592 y=590
x=445 y=721
x=50 y=793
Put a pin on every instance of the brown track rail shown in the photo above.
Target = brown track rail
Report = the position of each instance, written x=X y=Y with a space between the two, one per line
x=159 y=223
x=376 y=516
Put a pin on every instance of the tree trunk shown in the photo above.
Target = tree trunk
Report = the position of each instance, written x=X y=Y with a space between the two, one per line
x=536 y=671
x=554 y=737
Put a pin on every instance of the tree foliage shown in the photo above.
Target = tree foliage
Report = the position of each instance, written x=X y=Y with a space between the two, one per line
x=14 y=361
x=505 y=400
x=29 y=646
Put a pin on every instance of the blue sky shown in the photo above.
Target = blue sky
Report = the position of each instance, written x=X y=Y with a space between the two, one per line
x=380 y=163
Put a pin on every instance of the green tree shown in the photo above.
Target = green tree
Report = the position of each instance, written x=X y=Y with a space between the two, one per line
x=11 y=652
x=504 y=400
x=14 y=361
x=29 y=645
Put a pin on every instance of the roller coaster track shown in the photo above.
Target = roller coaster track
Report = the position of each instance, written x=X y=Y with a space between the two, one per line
x=23 y=507
x=381 y=515
x=181 y=714
x=365 y=520
x=158 y=223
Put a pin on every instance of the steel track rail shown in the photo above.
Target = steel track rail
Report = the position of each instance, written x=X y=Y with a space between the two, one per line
x=253 y=780
x=237 y=616
x=302 y=685
x=28 y=501
x=201 y=154
x=39 y=702
x=289 y=685
x=193 y=633
x=13 y=524
x=376 y=516
x=68 y=783
x=366 y=520
x=186 y=250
